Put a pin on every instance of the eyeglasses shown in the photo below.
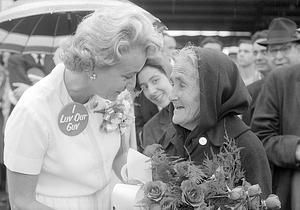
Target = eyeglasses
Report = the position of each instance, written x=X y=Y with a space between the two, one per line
x=284 y=49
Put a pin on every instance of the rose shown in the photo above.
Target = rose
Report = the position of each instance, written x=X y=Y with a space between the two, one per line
x=167 y=203
x=155 y=190
x=182 y=168
x=237 y=193
x=254 y=190
x=273 y=202
x=192 y=194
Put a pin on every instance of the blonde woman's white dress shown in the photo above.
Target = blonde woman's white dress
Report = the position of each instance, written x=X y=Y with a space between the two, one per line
x=74 y=171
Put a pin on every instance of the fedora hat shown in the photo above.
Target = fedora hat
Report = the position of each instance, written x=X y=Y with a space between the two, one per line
x=281 y=30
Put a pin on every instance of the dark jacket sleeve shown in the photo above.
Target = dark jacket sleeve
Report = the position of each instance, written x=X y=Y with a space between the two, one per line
x=254 y=90
x=267 y=123
x=17 y=68
x=255 y=162
x=144 y=110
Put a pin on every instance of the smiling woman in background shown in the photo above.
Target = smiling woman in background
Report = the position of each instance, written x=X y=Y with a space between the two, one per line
x=154 y=81
x=52 y=165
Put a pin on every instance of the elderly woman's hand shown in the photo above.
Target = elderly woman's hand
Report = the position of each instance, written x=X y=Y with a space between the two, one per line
x=152 y=149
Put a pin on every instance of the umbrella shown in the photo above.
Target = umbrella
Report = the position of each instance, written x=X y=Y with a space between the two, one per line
x=39 y=26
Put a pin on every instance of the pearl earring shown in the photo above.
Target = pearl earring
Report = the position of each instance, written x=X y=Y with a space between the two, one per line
x=93 y=76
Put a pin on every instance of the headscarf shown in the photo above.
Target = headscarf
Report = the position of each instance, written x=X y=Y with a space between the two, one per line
x=222 y=92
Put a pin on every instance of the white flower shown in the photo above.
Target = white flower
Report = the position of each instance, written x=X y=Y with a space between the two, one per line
x=117 y=114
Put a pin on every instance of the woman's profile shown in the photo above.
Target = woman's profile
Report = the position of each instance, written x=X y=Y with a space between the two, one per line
x=207 y=96
x=56 y=153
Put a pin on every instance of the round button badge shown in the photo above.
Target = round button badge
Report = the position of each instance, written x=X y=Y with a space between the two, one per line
x=73 y=119
x=202 y=141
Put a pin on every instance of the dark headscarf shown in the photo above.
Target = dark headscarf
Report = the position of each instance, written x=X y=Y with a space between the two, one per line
x=222 y=93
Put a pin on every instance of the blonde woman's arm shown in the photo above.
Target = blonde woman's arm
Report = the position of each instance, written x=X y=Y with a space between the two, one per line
x=21 y=189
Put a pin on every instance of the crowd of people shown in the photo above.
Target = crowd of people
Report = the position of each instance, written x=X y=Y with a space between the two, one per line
x=190 y=97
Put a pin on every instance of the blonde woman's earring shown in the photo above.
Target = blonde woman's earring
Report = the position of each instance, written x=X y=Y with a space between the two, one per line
x=93 y=76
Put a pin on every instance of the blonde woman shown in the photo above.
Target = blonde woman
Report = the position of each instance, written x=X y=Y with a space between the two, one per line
x=54 y=166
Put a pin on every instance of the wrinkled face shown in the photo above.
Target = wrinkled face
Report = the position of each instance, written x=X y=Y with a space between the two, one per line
x=113 y=80
x=155 y=85
x=261 y=58
x=284 y=54
x=185 y=94
x=245 y=55
x=214 y=46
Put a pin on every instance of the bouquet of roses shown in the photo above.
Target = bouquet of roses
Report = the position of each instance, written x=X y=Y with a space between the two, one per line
x=217 y=184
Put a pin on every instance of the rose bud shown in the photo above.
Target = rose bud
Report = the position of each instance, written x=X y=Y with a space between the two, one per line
x=236 y=193
x=254 y=190
x=246 y=184
x=273 y=202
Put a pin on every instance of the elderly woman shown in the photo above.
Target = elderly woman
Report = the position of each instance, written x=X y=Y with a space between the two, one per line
x=154 y=81
x=57 y=152
x=208 y=94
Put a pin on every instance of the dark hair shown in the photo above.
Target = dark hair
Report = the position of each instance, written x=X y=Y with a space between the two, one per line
x=149 y=64
x=259 y=35
x=211 y=40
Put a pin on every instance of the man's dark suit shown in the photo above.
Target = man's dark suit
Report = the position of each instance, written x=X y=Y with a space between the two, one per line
x=254 y=90
x=276 y=121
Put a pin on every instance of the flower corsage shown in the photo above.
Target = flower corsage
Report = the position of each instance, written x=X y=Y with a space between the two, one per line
x=117 y=114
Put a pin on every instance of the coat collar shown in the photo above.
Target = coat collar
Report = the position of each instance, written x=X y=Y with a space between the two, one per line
x=215 y=136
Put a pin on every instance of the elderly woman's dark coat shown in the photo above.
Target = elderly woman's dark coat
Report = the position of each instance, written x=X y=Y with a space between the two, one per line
x=223 y=96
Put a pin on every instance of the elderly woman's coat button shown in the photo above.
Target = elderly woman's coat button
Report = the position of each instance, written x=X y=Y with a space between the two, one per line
x=202 y=141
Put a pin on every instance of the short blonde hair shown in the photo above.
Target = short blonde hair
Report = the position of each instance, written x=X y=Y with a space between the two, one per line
x=101 y=35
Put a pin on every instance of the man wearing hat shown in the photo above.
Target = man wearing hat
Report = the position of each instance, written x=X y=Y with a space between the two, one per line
x=282 y=42
x=276 y=118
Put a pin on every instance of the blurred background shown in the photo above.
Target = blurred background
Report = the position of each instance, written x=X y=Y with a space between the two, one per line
x=228 y=20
